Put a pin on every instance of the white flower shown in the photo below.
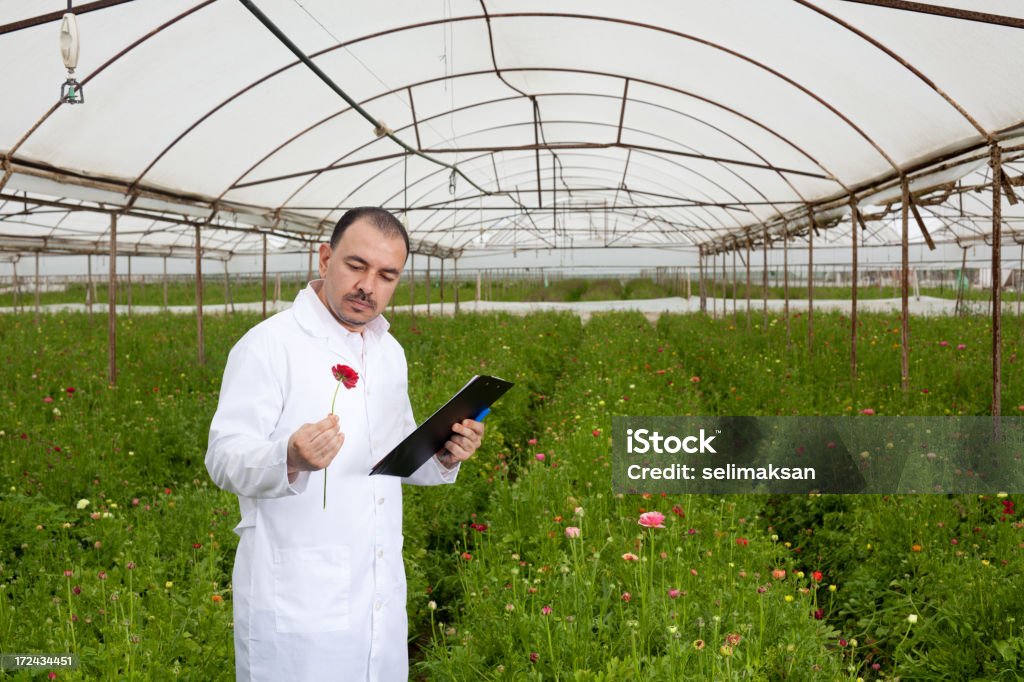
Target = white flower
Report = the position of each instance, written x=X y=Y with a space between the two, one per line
x=432 y=605
x=912 y=618
x=83 y=503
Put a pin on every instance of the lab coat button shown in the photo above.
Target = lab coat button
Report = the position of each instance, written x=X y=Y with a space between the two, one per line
x=380 y=500
x=380 y=554
x=378 y=605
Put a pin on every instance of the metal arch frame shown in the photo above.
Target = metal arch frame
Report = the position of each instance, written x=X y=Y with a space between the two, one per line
x=103 y=67
x=576 y=208
x=652 y=155
x=434 y=189
x=683 y=168
x=195 y=8
x=828 y=175
x=905 y=64
x=651 y=83
x=487 y=18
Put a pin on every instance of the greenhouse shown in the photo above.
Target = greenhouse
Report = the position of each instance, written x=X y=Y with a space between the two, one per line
x=722 y=211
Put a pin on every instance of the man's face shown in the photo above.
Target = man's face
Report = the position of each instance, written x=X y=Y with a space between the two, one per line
x=360 y=274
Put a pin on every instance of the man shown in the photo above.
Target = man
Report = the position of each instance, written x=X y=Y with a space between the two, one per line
x=319 y=588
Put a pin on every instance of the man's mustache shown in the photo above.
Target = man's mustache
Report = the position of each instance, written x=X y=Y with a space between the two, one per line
x=362 y=297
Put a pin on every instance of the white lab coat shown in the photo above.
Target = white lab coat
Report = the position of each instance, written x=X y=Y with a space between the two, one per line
x=318 y=594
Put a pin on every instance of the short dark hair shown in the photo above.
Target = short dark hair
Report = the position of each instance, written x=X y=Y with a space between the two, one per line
x=383 y=220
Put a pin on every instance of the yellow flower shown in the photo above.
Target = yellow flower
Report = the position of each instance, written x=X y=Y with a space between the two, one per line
x=168 y=584
x=789 y=597
x=83 y=503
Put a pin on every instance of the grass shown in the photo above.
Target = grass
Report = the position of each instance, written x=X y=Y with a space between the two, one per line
x=136 y=579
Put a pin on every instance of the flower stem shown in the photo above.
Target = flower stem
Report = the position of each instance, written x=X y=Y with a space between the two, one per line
x=333 y=398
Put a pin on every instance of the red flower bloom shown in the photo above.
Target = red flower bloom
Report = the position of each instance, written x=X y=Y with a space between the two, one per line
x=478 y=527
x=817 y=576
x=678 y=511
x=70 y=390
x=345 y=375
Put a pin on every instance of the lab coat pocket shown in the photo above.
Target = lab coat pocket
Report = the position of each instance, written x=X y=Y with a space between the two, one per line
x=311 y=588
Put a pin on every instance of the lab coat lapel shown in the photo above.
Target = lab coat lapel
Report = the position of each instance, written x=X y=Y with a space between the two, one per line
x=315 y=319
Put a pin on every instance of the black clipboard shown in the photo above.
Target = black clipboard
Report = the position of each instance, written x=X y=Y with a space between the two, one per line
x=430 y=436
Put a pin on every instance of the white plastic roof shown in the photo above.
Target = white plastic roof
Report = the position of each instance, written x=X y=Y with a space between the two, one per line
x=570 y=124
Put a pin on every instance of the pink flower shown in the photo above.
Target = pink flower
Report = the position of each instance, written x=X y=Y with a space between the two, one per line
x=532 y=441
x=629 y=556
x=596 y=432
x=694 y=380
x=626 y=596
x=779 y=574
x=572 y=532
x=546 y=610
x=674 y=593
x=961 y=346
x=466 y=556
x=868 y=411
x=539 y=456
x=944 y=344
x=534 y=657
x=47 y=400
x=652 y=519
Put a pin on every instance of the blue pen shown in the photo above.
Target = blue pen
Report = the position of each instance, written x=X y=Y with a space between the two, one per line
x=483 y=413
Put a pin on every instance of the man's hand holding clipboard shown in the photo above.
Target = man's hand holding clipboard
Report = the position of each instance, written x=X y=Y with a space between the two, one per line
x=437 y=435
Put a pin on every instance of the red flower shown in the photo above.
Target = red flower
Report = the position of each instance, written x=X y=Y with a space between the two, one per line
x=70 y=390
x=742 y=542
x=467 y=556
x=819 y=614
x=678 y=511
x=817 y=576
x=478 y=527
x=348 y=378
x=345 y=375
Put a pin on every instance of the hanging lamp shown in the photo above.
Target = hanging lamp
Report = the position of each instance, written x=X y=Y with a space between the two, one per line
x=71 y=90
